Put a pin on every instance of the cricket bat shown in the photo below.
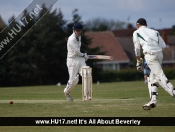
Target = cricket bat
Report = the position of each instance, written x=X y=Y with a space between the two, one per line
x=104 y=57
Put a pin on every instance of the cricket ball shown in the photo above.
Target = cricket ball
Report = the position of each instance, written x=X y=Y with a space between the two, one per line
x=11 y=102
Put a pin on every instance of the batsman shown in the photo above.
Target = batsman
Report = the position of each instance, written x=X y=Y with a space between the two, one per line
x=152 y=45
x=75 y=61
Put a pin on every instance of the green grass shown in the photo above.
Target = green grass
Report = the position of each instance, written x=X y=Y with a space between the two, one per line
x=122 y=99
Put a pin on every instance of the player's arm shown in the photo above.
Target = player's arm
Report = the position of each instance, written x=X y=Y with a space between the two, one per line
x=136 y=46
x=161 y=41
x=76 y=48
x=137 y=52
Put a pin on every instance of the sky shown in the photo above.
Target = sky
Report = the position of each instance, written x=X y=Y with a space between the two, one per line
x=159 y=14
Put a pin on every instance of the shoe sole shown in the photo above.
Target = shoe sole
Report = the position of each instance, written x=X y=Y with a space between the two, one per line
x=69 y=99
x=148 y=107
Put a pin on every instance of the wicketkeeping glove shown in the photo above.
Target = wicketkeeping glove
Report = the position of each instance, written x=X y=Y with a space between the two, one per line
x=139 y=65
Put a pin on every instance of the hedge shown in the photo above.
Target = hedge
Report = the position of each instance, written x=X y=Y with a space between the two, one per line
x=128 y=75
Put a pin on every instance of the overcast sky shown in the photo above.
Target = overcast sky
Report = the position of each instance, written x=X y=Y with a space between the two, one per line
x=158 y=13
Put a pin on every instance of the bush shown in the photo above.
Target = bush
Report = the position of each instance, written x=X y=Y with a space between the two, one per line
x=117 y=76
x=128 y=75
x=170 y=73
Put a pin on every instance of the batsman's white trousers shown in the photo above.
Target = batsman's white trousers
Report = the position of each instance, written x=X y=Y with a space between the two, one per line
x=74 y=66
x=154 y=61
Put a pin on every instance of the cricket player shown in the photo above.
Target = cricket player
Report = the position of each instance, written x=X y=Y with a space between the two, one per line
x=75 y=59
x=152 y=45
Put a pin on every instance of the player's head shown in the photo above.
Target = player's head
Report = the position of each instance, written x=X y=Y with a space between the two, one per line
x=78 y=29
x=141 y=22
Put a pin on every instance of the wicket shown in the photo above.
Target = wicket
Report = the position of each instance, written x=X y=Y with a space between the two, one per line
x=87 y=83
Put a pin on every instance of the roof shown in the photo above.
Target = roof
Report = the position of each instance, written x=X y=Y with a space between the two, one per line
x=169 y=54
x=171 y=40
x=128 y=46
x=109 y=44
x=125 y=39
x=168 y=31
x=124 y=32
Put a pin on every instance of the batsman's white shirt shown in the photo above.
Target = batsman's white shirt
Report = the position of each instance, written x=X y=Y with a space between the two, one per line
x=73 y=46
x=75 y=59
x=152 y=45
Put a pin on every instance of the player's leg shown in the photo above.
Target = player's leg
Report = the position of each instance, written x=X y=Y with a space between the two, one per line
x=73 y=80
x=166 y=84
x=156 y=68
x=162 y=79
x=152 y=86
x=153 y=92
x=70 y=85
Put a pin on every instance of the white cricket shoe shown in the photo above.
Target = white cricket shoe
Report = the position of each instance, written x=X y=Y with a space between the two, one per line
x=85 y=98
x=151 y=104
x=89 y=98
x=68 y=97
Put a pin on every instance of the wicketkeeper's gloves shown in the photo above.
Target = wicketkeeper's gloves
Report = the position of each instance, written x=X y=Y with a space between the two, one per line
x=139 y=65
x=86 y=56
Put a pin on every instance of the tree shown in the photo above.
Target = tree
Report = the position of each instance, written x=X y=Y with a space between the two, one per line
x=2 y=24
x=101 y=24
x=130 y=26
x=2 y=62
x=39 y=58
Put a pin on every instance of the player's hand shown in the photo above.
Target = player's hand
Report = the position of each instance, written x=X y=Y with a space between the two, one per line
x=139 y=65
x=86 y=56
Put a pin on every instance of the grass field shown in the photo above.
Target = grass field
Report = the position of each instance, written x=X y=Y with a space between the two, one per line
x=122 y=99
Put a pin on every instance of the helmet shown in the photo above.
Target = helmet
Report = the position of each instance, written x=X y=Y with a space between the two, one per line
x=77 y=26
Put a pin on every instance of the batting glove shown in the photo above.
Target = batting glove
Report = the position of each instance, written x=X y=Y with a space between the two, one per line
x=86 y=56
x=139 y=65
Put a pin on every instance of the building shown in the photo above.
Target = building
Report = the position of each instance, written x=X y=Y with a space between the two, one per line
x=125 y=39
x=109 y=44
x=169 y=51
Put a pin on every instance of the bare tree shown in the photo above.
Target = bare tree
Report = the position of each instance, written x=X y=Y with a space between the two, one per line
x=102 y=24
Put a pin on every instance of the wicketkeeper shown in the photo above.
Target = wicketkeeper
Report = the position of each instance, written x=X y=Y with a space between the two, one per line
x=152 y=45
x=75 y=59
